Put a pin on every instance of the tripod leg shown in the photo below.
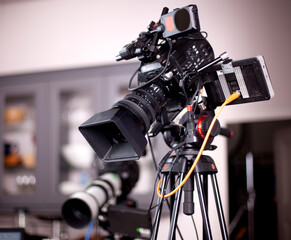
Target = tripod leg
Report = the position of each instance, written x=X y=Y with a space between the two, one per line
x=219 y=207
x=206 y=223
x=205 y=188
x=174 y=215
x=159 y=208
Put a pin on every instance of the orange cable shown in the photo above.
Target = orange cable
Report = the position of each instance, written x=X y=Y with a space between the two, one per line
x=231 y=98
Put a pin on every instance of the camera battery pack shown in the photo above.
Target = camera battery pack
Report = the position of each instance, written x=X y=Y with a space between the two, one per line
x=180 y=21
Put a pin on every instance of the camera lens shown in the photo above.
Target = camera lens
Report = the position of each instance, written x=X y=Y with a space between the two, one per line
x=145 y=103
x=118 y=134
x=77 y=211
x=82 y=207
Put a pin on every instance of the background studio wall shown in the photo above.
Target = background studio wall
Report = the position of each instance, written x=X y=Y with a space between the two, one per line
x=44 y=35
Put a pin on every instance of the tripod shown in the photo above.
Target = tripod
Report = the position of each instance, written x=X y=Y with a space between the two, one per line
x=176 y=168
x=198 y=128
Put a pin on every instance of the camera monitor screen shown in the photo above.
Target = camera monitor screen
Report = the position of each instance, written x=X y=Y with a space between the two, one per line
x=249 y=76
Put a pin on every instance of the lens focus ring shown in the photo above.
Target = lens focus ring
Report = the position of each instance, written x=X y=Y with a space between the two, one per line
x=136 y=110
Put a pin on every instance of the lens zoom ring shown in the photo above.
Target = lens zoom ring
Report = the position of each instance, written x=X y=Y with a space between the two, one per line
x=153 y=102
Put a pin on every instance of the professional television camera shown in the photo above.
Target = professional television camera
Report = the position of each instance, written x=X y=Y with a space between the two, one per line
x=177 y=62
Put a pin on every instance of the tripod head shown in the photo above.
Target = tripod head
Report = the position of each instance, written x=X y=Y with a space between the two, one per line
x=191 y=127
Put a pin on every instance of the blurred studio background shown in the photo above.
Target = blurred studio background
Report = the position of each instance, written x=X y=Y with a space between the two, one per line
x=57 y=68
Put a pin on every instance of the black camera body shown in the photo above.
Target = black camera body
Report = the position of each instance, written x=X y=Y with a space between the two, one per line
x=187 y=55
x=176 y=62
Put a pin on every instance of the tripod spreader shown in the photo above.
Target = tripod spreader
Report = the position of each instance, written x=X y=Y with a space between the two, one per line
x=178 y=166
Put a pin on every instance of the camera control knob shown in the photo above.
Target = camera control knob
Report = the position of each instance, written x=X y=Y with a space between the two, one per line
x=203 y=125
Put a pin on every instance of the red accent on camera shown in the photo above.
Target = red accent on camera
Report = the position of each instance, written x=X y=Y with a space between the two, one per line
x=199 y=126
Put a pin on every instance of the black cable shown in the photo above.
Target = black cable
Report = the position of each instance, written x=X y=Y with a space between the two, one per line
x=156 y=220
x=133 y=75
x=167 y=200
x=198 y=88
x=171 y=170
x=206 y=34
x=182 y=85
x=194 y=95
x=159 y=169
x=153 y=194
x=156 y=77
x=195 y=227
x=168 y=204
x=182 y=81
x=157 y=177
x=195 y=38
x=152 y=152
x=162 y=163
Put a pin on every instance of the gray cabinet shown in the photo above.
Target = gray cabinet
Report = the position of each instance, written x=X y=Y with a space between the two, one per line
x=43 y=156
x=22 y=145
